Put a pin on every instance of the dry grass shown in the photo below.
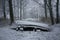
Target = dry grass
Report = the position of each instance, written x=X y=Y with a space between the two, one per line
x=48 y=20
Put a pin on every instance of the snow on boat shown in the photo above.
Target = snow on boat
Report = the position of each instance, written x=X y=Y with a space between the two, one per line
x=29 y=23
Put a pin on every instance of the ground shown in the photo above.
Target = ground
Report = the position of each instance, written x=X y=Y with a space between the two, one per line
x=6 y=33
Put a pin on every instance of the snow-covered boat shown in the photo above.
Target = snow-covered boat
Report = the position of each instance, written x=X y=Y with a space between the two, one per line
x=34 y=25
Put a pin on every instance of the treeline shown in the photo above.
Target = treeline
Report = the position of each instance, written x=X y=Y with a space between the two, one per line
x=48 y=3
x=47 y=6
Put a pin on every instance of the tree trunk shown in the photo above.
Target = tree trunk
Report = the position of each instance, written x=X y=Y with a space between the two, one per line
x=21 y=9
x=11 y=11
x=3 y=3
x=51 y=13
x=57 y=11
x=45 y=4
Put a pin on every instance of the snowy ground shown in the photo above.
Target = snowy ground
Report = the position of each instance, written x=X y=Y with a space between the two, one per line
x=8 y=34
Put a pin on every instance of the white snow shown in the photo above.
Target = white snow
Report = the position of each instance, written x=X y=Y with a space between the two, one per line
x=31 y=23
x=8 y=34
x=31 y=19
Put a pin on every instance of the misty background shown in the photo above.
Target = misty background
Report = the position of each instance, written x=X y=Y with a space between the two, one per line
x=28 y=10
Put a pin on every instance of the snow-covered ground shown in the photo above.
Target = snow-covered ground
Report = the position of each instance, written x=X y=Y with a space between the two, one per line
x=8 y=34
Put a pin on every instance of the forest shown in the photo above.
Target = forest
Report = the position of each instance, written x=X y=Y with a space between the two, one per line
x=46 y=11
x=29 y=19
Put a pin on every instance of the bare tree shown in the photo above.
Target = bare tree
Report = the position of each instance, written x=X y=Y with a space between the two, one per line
x=21 y=9
x=51 y=12
x=57 y=11
x=3 y=3
x=45 y=7
x=11 y=11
